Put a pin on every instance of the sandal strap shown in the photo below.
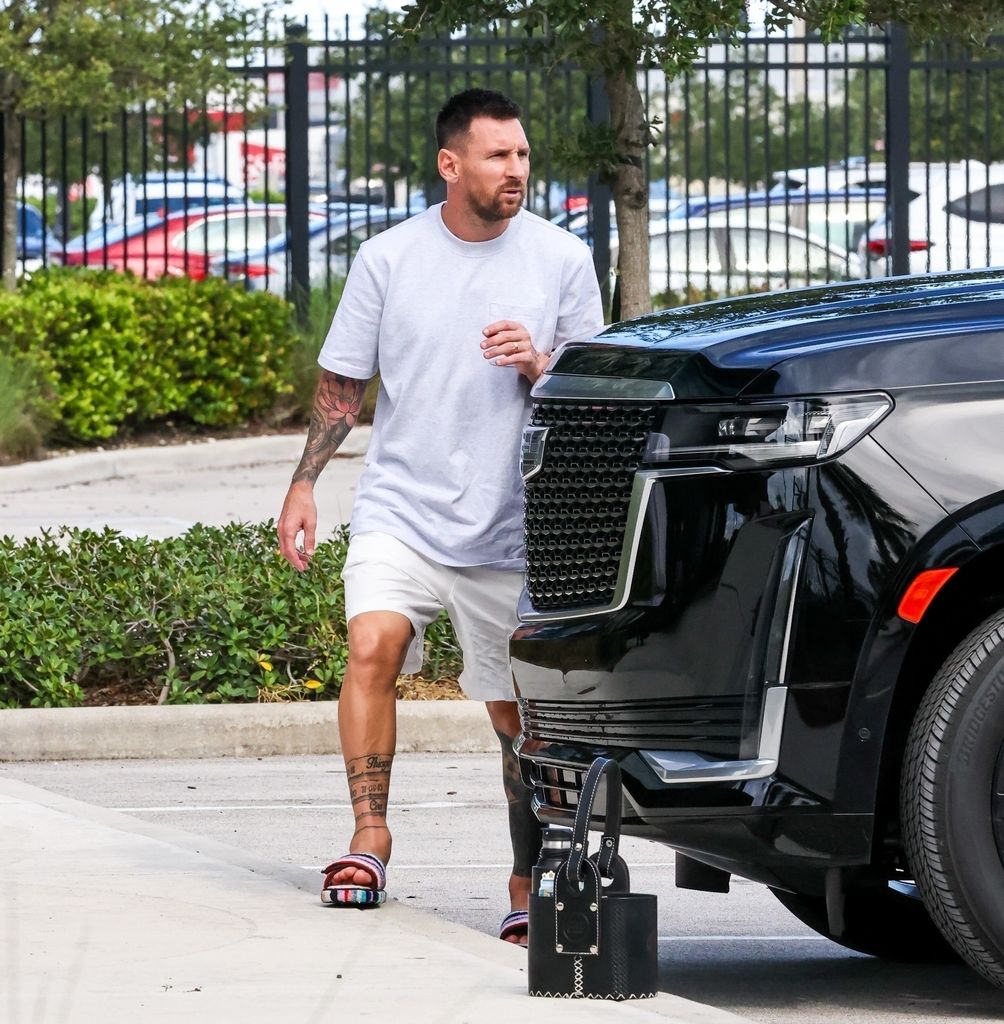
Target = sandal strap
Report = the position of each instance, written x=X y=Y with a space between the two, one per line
x=514 y=921
x=367 y=862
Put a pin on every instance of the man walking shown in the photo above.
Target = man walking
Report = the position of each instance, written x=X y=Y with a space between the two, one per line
x=458 y=309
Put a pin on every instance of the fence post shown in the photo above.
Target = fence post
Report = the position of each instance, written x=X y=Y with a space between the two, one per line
x=297 y=169
x=897 y=145
x=598 y=110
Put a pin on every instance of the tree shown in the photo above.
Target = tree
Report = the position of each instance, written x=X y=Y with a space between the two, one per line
x=610 y=39
x=100 y=56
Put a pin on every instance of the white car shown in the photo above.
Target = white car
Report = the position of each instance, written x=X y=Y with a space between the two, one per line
x=956 y=221
x=730 y=253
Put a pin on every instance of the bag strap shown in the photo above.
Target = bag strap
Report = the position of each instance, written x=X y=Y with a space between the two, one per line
x=601 y=767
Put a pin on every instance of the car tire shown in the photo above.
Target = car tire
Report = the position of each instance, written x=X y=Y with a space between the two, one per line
x=885 y=923
x=952 y=799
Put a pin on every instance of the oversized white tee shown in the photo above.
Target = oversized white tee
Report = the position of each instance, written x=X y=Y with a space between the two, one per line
x=442 y=470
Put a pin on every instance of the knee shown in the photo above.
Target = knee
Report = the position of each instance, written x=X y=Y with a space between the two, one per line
x=376 y=654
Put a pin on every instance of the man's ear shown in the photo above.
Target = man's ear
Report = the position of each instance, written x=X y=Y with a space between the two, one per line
x=448 y=162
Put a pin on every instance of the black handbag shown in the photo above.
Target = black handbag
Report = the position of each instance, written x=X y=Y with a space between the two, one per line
x=594 y=939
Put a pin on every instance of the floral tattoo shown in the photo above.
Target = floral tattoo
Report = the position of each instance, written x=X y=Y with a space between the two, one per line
x=336 y=406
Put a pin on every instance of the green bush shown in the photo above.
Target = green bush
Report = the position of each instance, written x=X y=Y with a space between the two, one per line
x=25 y=404
x=213 y=615
x=118 y=351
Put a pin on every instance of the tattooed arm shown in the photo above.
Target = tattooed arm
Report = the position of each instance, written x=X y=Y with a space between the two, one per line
x=336 y=405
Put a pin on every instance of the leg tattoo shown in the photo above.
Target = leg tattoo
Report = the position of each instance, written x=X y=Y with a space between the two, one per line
x=369 y=784
x=524 y=829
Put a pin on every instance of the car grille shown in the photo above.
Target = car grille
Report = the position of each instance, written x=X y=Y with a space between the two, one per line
x=576 y=507
x=708 y=725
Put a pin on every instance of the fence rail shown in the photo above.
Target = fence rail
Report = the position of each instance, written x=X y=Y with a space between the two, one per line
x=779 y=161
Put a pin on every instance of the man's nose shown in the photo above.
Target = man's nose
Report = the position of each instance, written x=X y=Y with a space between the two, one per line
x=516 y=167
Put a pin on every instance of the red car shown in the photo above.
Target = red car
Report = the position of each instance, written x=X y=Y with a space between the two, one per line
x=179 y=244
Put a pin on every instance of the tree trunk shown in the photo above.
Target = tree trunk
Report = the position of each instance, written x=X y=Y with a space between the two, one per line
x=627 y=117
x=8 y=224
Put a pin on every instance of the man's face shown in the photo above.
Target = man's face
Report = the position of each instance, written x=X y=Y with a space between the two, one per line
x=493 y=161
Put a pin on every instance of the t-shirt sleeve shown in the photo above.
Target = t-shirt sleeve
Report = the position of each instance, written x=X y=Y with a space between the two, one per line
x=580 y=314
x=351 y=346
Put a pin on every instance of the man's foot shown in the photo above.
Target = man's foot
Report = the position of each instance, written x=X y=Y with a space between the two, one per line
x=358 y=878
x=514 y=926
x=374 y=839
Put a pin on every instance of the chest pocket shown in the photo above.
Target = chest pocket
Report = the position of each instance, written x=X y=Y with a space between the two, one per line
x=530 y=317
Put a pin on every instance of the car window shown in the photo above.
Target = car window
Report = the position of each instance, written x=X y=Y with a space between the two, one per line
x=842 y=222
x=691 y=252
x=218 y=234
x=340 y=244
x=780 y=254
x=985 y=205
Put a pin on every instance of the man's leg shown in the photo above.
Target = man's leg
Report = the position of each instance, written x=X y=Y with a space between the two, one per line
x=367 y=724
x=524 y=829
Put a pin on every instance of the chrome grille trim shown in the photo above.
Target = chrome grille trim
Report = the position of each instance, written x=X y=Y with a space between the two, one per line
x=709 y=724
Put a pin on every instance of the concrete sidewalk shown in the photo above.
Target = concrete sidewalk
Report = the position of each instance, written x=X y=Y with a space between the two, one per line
x=162 y=491
x=107 y=918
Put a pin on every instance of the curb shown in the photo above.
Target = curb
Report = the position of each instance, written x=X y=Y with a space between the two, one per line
x=234 y=730
x=189 y=457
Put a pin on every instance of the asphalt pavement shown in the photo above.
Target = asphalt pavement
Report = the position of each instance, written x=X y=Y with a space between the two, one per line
x=110 y=918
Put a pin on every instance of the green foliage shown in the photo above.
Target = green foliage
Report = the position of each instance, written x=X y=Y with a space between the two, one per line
x=117 y=351
x=214 y=615
x=24 y=416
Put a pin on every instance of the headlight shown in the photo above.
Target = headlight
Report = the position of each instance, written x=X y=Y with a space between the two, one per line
x=764 y=433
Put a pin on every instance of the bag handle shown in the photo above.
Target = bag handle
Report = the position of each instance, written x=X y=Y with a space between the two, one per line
x=602 y=766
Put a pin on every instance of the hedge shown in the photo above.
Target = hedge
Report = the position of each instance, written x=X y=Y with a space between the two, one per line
x=212 y=615
x=107 y=350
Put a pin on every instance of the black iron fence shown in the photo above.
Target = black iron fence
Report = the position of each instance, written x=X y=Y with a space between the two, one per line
x=778 y=161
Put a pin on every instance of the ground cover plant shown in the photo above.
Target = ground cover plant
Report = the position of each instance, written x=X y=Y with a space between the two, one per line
x=214 y=615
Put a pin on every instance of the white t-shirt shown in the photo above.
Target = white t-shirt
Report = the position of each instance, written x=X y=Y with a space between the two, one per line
x=442 y=470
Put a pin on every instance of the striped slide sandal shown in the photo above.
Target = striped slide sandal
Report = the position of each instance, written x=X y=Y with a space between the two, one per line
x=363 y=897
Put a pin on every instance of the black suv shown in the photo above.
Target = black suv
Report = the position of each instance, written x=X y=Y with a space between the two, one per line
x=765 y=572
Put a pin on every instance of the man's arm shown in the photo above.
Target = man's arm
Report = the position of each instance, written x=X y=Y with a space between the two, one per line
x=336 y=406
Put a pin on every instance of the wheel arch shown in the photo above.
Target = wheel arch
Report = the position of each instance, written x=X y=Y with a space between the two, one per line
x=899 y=660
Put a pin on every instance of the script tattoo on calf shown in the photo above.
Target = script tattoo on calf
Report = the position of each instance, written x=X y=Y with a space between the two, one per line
x=369 y=784
x=336 y=405
x=525 y=830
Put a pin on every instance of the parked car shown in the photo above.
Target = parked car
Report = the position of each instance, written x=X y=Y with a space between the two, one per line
x=331 y=244
x=37 y=245
x=764 y=547
x=738 y=250
x=159 y=194
x=180 y=244
x=956 y=220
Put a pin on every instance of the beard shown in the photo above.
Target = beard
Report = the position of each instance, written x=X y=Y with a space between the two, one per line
x=498 y=206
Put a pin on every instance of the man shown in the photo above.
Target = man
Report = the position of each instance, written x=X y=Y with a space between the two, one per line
x=457 y=308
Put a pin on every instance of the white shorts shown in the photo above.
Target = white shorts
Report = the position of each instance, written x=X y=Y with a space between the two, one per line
x=382 y=574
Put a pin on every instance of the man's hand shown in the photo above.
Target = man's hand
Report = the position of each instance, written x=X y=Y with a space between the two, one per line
x=507 y=343
x=299 y=512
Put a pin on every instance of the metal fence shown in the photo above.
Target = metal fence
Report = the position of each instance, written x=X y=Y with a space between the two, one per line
x=776 y=162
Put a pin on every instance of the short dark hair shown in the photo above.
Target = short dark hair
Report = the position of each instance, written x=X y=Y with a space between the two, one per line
x=460 y=109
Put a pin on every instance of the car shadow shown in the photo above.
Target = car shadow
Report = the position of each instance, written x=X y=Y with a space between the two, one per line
x=768 y=985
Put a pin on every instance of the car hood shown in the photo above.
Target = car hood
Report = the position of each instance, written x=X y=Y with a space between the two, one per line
x=853 y=336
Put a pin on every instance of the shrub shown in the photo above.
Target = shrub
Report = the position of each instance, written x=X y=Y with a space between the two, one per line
x=25 y=411
x=119 y=351
x=213 y=615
